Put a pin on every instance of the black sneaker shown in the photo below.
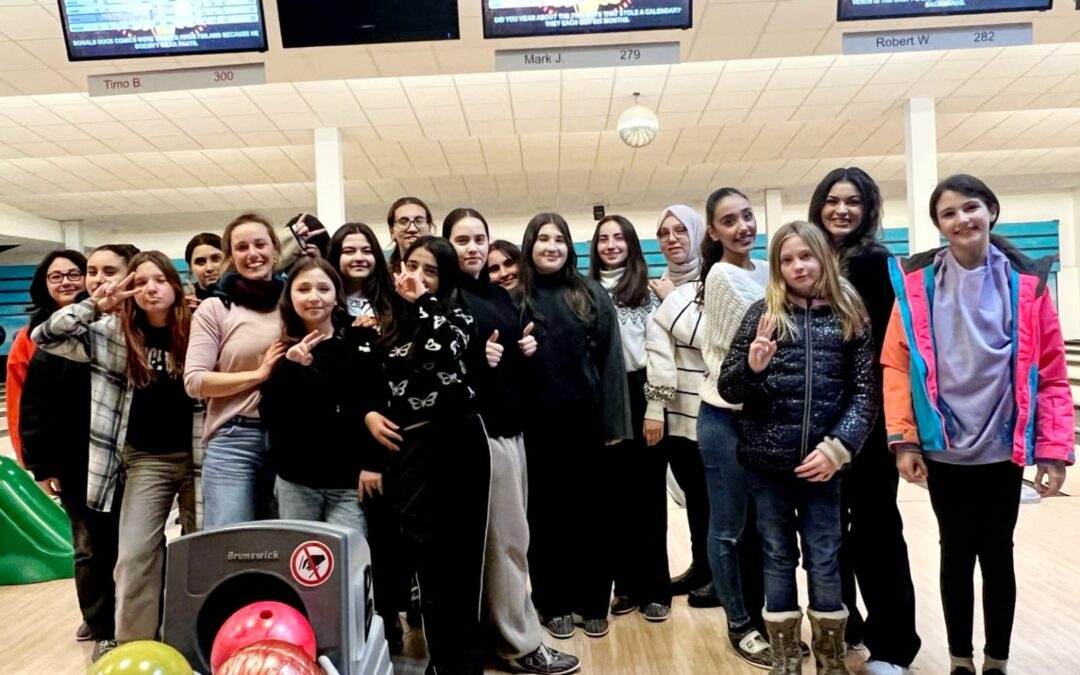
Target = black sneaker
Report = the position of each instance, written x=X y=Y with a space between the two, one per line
x=751 y=647
x=704 y=597
x=559 y=627
x=689 y=580
x=594 y=628
x=545 y=661
x=82 y=633
x=101 y=648
x=656 y=612
x=622 y=605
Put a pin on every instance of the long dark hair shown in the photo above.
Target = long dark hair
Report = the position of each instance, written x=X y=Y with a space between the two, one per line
x=404 y=320
x=395 y=256
x=378 y=287
x=578 y=298
x=632 y=290
x=970 y=187
x=133 y=322
x=863 y=236
x=42 y=304
x=292 y=326
x=711 y=250
x=459 y=214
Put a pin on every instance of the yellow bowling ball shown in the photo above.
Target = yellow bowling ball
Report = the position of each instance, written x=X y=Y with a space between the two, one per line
x=142 y=657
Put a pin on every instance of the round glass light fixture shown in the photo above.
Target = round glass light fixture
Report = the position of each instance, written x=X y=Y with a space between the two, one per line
x=638 y=125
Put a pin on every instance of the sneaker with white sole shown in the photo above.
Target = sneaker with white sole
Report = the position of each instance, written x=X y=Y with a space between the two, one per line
x=545 y=661
x=594 y=628
x=656 y=612
x=559 y=627
x=751 y=647
x=101 y=648
x=873 y=667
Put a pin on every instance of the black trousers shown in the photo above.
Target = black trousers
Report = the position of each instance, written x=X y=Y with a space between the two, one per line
x=570 y=512
x=435 y=512
x=640 y=561
x=875 y=554
x=976 y=509
x=689 y=471
x=95 y=536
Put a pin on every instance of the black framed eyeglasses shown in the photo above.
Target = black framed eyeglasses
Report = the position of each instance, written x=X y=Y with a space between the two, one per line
x=406 y=223
x=58 y=277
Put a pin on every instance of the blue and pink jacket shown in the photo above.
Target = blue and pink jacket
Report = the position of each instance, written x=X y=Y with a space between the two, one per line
x=1045 y=419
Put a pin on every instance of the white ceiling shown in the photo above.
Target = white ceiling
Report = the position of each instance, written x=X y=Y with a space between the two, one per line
x=523 y=141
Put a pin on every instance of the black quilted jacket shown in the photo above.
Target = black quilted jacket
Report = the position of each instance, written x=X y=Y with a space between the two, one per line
x=816 y=385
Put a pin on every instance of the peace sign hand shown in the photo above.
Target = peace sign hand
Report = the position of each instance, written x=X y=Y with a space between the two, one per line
x=301 y=351
x=763 y=347
x=111 y=294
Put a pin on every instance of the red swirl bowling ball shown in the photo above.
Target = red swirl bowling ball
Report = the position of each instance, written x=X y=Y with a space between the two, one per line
x=269 y=657
x=262 y=621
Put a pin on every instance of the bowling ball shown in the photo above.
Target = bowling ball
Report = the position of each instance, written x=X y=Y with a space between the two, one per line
x=261 y=621
x=269 y=657
x=142 y=657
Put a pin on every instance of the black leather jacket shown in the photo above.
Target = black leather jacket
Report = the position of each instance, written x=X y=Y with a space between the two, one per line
x=816 y=385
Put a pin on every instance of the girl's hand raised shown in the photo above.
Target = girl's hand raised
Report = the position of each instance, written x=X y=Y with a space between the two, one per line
x=301 y=351
x=816 y=468
x=110 y=294
x=410 y=286
x=493 y=350
x=528 y=343
x=1049 y=478
x=763 y=347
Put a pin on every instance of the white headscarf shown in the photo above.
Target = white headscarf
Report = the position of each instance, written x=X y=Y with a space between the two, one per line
x=695 y=227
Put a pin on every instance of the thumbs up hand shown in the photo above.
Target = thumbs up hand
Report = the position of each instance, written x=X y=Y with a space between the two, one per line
x=493 y=350
x=527 y=343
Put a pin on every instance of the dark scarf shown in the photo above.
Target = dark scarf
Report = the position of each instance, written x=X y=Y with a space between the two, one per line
x=259 y=296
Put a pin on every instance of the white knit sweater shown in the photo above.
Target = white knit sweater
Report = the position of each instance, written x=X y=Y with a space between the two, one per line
x=729 y=292
x=676 y=367
x=633 y=321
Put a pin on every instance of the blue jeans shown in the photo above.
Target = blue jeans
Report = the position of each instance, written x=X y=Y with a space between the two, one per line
x=718 y=437
x=237 y=479
x=787 y=505
x=337 y=506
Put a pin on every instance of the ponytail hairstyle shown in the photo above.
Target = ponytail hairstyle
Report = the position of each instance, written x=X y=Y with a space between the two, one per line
x=632 y=290
x=578 y=299
x=378 y=287
x=133 y=324
x=830 y=286
x=711 y=250
x=292 y=326
x=863 y=236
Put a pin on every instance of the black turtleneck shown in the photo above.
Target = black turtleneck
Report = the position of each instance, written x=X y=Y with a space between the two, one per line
x=500 y=390
x=577 y=365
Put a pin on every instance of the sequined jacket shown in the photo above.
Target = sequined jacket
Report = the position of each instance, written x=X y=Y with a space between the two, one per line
x=816 y=385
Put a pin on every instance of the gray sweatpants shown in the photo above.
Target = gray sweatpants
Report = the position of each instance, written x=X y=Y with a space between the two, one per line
x=506 y=565
x=153 y=481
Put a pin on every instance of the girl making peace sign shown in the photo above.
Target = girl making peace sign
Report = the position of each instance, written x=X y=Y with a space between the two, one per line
x=142 y=421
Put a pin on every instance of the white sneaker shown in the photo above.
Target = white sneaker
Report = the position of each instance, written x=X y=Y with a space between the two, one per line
x=873 y=667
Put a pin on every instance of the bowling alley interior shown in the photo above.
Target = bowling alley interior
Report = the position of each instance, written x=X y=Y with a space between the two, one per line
x=622 y=337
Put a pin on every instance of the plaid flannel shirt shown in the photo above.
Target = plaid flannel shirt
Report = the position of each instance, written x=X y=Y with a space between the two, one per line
x=81 y=333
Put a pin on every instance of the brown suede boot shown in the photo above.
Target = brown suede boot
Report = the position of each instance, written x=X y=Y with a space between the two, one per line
x=828 y=642
x=784 y=629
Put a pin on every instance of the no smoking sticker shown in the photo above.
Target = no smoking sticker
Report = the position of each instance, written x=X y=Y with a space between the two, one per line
x=312 y=563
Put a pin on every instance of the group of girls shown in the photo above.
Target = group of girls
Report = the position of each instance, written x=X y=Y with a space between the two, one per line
x=330 y=394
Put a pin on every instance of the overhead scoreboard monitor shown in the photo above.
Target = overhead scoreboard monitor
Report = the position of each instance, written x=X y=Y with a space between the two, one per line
x=530 y=18
x=858 y=10
x=112 y=29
